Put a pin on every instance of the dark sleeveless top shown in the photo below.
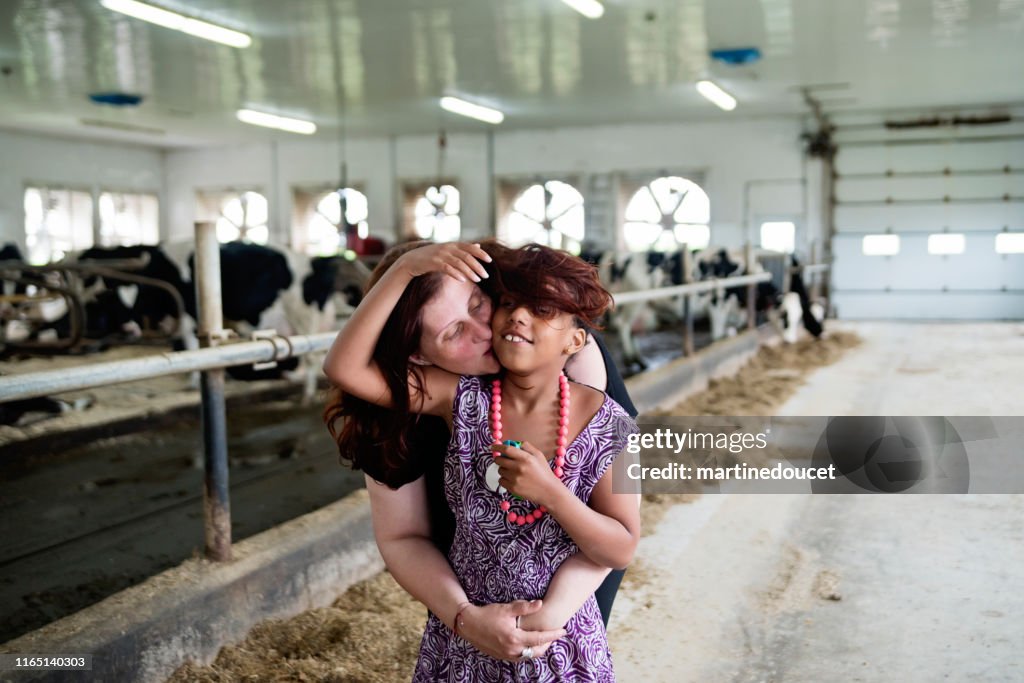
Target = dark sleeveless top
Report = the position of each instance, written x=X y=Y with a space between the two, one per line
x=428 y=444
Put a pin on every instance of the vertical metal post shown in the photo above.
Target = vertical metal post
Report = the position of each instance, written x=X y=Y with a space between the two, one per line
x=751 y=288
x=687 y=302
x=815 y=290
x=216 y=502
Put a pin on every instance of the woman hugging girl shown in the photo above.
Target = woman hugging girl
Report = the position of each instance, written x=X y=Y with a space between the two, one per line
x=528 y=469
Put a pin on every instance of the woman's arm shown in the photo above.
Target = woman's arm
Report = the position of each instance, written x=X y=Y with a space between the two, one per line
x=576 y=580
x=402 y=529
x=349 y=363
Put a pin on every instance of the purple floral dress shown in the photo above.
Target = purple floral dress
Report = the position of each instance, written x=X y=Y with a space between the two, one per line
x=498 y=562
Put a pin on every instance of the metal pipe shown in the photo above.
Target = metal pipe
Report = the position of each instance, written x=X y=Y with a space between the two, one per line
x=693 y=288
x=928 y=141
x=216 y=498
x=91 y=375
x=944 y=173
x=687 y=301
x=751 y=289
x=889 y=201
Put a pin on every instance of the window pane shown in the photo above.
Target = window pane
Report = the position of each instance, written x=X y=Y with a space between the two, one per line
x=778 y=236
x=1010 y=243
x=641 y=236
x=356 y=206
x=570 y=223
x=255 y=210
x=880 y=245
x=642 y=207
x=57 y=221
x=233 y=211
x=693 y=236
x=127 y=219
x=563 y=198
x=531 y=203
x=946 y=243
x=329 y=207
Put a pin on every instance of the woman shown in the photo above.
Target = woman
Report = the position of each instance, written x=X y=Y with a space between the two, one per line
x=518 y=548
x=444 y=322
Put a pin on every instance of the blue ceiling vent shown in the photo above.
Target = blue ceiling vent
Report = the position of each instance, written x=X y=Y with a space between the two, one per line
x=737 y=56
x=116 y=99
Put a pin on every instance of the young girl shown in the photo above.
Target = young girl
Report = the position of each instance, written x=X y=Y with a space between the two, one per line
x=509 y=542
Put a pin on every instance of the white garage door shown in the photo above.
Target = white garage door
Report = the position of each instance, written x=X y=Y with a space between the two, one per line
x=938 y=206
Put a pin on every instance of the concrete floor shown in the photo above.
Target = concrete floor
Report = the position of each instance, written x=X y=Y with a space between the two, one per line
x=739 y=588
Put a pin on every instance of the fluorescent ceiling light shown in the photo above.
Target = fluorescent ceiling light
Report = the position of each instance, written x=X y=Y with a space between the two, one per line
x=591 y=9
x=473 y=111
x=178 y=22
x=258 y=118
x=718 y=97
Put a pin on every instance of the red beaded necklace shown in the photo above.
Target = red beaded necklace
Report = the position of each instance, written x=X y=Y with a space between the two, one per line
x=533 y=514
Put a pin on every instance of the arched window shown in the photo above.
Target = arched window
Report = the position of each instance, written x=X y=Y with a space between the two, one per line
x=325 y=230
x=436 y=213
x=243 y=217
x=668 y=212
x=549 y=213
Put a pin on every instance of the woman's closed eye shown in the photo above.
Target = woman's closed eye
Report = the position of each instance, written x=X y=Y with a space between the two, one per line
x=453 y=333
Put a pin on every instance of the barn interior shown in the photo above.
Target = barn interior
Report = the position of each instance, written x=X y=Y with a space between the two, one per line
x=831 y=194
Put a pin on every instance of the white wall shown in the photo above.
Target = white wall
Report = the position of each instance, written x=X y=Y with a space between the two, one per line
x=726 y=155
x=29 y=159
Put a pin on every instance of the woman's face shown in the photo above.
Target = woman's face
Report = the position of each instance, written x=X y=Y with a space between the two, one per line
x=457 y=330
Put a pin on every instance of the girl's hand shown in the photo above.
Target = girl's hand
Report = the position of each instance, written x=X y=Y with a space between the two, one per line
x=492 y=629
x=461 y=260
x=525 y=472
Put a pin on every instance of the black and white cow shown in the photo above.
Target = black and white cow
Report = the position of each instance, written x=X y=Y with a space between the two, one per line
x=261 y=288
x=798 y=308
x=622 y=272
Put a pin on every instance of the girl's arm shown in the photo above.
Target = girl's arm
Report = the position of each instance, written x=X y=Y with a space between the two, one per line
x=402 y=530
x=606 y=530
x=350 y=364
x=576 y=580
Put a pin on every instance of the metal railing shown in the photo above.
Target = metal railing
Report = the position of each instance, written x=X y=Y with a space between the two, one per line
x=212 y=360
x=90 y=376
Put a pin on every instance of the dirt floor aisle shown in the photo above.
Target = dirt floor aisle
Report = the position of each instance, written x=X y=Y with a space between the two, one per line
x=805 y=589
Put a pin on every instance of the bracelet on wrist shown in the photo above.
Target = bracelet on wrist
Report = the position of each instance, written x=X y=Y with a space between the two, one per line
x=458 y=614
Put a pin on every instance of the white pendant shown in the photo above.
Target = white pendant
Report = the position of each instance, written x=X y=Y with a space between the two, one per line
x=492 y=477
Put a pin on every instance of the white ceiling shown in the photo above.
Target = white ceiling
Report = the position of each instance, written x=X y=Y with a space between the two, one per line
x=386 y=62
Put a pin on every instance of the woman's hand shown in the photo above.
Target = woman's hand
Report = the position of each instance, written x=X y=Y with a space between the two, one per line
x=525 y=472
x=461 y=260
x=492 y=630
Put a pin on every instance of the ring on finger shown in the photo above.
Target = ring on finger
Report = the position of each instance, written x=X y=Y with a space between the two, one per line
x=527 y=653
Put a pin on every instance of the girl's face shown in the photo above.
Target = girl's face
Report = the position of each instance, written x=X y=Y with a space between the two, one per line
x=457 y=330
x=525 y=339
